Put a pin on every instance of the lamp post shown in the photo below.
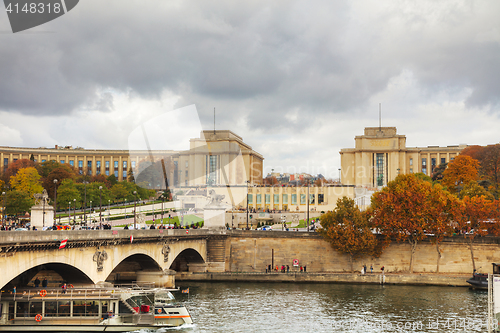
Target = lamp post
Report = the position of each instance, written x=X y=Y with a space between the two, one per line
x=100 y=207
x=4 y=208
x=108 y=209
x=43 y=213
x=340 y=177
x=85 y=202
x=74 y=212
x=247 y=201
x=55 y=200
x=307 y=204
x=135 y=205
x=69 y=213
x=162 y=201
x=91 y=221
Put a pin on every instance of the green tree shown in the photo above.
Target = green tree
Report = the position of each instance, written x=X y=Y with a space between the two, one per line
x=119 y=192
x=348 y=231
x=17 y=202
x=60 y=173
x=27 y=180
x=67 y=192
x=473 y=189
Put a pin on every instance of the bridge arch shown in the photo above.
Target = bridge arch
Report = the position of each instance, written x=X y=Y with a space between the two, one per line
x=56 y=274
x=185 y=258
x=126 y=270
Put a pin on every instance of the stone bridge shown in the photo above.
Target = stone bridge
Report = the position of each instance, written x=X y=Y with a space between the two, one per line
x=117 y=256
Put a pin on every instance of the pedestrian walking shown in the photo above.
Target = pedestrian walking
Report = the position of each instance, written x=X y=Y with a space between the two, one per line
x=364 y=267
x=37 y=282
x=287 y=268
x=45 y=283
x=371 y=269
x=64 y=287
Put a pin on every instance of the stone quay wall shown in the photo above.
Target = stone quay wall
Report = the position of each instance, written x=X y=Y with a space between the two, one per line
x=253 y=251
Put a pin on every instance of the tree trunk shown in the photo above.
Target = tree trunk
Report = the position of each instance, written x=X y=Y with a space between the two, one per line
x=413 y=244
x=439 y=256
x=472 y=255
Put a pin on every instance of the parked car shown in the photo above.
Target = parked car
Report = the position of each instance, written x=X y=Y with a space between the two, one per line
x=265 y=227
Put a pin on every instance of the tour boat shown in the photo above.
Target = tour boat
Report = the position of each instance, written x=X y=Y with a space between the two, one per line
x=90 y=309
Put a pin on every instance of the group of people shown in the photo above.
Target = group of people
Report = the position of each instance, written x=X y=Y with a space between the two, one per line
x=363 y=269
x=283 y=269
x=44 y=282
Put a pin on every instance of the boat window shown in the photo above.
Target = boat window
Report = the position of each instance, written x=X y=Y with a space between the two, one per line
x=11 y=310
x=50 y=309
x=79 y=308
x=35 y=308
x=92 y=308
x=1 y=312
x=22 y=309
x=63 y=308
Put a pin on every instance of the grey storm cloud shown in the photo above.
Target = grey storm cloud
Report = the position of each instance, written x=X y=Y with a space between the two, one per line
x=252 y=59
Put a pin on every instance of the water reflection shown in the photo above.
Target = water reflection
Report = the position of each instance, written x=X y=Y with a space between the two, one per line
x=281 y=307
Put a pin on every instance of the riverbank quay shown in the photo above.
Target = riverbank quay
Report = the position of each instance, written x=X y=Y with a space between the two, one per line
x=416 y=279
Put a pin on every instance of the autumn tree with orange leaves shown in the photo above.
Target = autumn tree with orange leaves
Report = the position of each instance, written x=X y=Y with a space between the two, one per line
x=462 y=170
x=348 y=231
x=399 y=210
x=477 y=217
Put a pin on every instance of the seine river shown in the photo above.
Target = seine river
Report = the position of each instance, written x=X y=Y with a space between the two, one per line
x=282 y=307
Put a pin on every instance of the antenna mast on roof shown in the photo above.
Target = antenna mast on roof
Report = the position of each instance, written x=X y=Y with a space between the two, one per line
x=380 y=116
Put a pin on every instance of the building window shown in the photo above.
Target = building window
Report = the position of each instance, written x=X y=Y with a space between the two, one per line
x=5 y=162
x=321 y=198
x=433 y=163
x=411 y=161
x=250 y=199
x=259 y=199
x=380 y=169
x=124 y=170
x=276 y=199
x=89 y=168
x=294 y=199
x=187 y=164
x=424 y=165
x=72 y=163
x=98 y=167
x=106 y=168
x=62 y=161
x=115 y=169
x=133 y=164
x=311 y=199
x=212 y=169
x=302 y=199
x=285 y=199
x=80 y=167
x=16 y=160
x=411 y=170
x=268 y=199
x=176 y=172
x=443 y=160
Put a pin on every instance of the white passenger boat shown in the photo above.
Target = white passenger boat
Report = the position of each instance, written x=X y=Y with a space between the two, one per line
x=90 y=309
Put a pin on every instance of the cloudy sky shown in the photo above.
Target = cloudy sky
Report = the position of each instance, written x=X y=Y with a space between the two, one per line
x=296 y=79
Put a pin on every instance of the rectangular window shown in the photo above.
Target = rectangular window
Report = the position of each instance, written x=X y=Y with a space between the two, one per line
x=89 y=168
x=212 y=169
x=433 y=163
x=268 y=199
x=411 y=161
x=294 y=199
x=380 y=169
x=311 y=199
x=98 y=167
x=321 y=198
x=72 y=163
x=259 y=199
x=63 y=308
x=106 y=168
x=124 y=165
x=187 y=164
x=133 y=164
x=79 y=308
x=5 y=162
x=285 y=199
x=63 y=161
x=411 y=170
x=50 y=309
x=250 y=199
x=115 y=172
x=80 y=167
x=443 y=160
x=276 y=199
x=124 y=170
x=424 y=165
x=302 y=199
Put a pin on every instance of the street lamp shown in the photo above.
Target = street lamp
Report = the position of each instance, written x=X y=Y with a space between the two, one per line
x=162 y=201
x=100 y=207
x=4 y=208
x=43 y=212
x=74 y=211
x=85 y=202
x=55 y=200
x=69 y=213
x=135 y=205
x=307 y=204
x=91 y=220
x=108 y=209
x=247 y=201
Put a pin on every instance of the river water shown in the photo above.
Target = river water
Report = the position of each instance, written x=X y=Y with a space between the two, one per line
x=283 y=307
